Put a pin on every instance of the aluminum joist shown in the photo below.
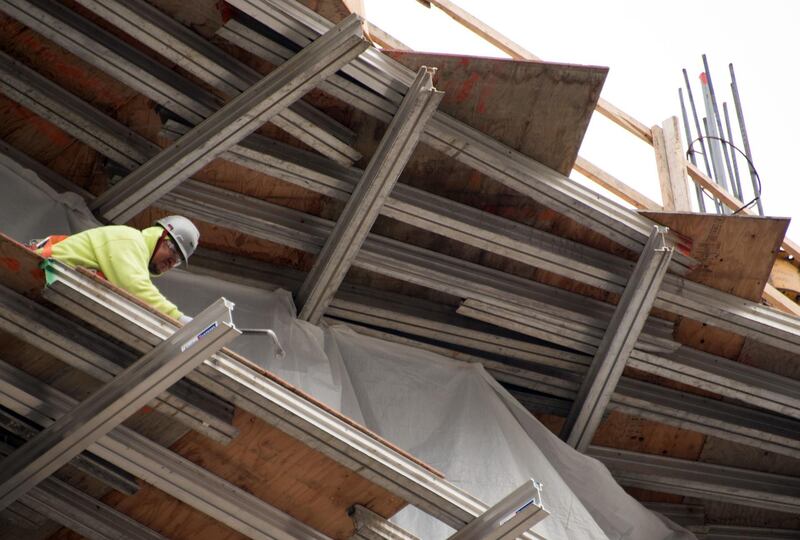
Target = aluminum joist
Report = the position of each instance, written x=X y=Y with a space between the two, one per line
x=106 y=408
x=158 y=466
x=687 y=298
x=234 y=381
x=618 y=341
x=702 y=480
x=84 y=514
x=108 y=474
x=519 y=172
x=171 y=39
x=363 y=206
x=237 y=119
x=101 y=359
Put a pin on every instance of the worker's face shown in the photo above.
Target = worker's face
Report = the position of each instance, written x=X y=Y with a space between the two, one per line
x=165 y=257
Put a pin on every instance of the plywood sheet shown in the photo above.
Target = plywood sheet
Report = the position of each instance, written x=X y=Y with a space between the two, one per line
x=19 y=267
x=541 y=109
x=736 y=253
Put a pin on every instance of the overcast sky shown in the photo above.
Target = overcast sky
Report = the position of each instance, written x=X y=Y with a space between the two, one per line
x=646 y=45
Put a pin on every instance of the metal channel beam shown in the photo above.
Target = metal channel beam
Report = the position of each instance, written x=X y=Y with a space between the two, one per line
x=116 y=400
x=71 y=114
x=469 y=146
x=154 y=80
x=371 y=526
x=702 y=480
x=83 y=514
x=517 y=171
x=102 y=359
x=237 y=119
x=524 y=505
x=243 y=385
x=363 y=207
x=618 y=341
x=725 y=420
x=92 y=465
x=745 y=383
x=677 y=295
x=167 y=471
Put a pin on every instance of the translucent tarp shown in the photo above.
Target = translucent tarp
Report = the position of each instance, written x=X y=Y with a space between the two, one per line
x=450 y=414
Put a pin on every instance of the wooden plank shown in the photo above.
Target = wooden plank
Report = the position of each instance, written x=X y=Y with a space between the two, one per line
x=736 y=253
x=19 y=267
x=780 y=301
x=671 y=166
x=615 y=186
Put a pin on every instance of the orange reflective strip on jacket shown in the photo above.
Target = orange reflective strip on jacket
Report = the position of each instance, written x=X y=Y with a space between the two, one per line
x=47 y=244
x=50 y=241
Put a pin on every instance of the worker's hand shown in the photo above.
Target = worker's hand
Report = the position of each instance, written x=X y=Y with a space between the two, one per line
x=185 y=319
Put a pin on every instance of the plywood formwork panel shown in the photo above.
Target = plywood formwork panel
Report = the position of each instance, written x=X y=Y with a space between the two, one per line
x=736 y=253
x=541 y=109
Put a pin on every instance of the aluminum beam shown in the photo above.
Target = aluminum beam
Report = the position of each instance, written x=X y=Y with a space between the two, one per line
x=85 y=515
x=253 y=390
x=116 y=400
x=677 y=295
x=71 y=114
x=171 y=39
x=237 y=119
x=469 y=146
x=713 y=417
x=509 y=518
x=160 y=467
x=86 y=462
x=618 y=341
x=101 y=359
x=371 y=526
x=363 y=207
x=702 y=480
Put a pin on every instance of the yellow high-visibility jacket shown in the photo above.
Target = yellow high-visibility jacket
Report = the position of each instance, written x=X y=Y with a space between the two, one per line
x=122 y=254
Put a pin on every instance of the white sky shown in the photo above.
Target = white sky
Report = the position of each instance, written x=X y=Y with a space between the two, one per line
x=646 y=45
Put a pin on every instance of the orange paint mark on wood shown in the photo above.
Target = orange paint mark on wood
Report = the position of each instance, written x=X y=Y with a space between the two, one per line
x=9 y=263
x=466 y=88
x=37 y=273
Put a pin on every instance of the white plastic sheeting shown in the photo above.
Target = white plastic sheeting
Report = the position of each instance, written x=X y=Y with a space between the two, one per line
x=449 y=414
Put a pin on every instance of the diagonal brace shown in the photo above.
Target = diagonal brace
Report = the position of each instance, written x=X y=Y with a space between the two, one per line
x=115 y=401
x=365 y=203
x=233 y=122
x=618 y=341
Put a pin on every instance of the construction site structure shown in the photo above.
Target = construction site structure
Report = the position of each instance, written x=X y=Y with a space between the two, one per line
x=418 y=208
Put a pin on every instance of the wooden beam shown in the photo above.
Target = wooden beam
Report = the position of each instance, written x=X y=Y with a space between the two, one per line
x=778 y=300
x=671 y=166
x=615 y=186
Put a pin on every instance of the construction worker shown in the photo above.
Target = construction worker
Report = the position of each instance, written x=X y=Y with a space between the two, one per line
x=128 y=257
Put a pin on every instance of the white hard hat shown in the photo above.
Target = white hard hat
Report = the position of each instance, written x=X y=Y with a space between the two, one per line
x=183 y=233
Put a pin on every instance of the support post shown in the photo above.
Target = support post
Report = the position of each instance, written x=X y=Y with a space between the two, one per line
x=618 y=341
x=671 y=164
x=365 y=203
x=116 y=400
x=237 y=119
